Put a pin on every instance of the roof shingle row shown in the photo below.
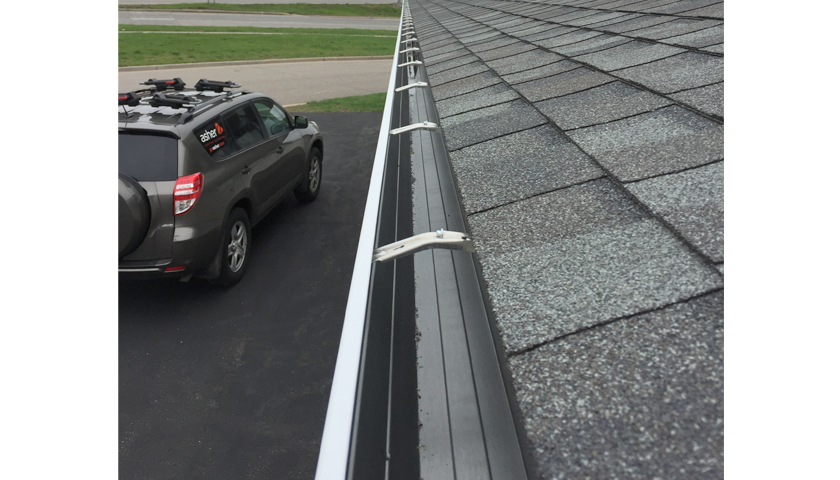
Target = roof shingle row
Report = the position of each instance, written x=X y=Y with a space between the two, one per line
x=586 y=138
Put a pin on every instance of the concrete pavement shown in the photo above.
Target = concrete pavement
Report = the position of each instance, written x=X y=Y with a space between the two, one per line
x=200 y=19
x=288 y=83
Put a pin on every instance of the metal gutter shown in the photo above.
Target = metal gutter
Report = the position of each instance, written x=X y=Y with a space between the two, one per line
x=335 y=441
x=420 y=389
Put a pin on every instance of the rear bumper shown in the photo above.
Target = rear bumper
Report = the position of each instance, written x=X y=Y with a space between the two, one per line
x=152 y=271
x=193 y=250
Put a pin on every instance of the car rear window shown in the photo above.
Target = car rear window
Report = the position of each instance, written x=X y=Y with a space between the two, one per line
x=148 y=157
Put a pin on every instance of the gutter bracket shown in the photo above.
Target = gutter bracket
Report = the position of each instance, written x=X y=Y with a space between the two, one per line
x=424 y=241
x=411 y=85
x=415 y=126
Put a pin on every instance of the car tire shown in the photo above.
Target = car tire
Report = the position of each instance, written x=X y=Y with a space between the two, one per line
x=134 y=214
x=311 y=184
x=235 y=249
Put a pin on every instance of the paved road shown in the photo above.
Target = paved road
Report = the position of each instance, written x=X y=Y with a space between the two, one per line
x=240 y=2
x=287 y=83
x=197 y=19
x=230 y=384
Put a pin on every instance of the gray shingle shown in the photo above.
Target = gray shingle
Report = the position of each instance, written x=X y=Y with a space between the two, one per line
x=567 y=17
x=599 y=17
x=576 y=257
x=465 y=85
x=437 y=55
x=628 y=55
x=684 y=6
x=523 y=61
x=601 y=42
x=598 y=105
x=562 y=84
x=673 y=28
x=714 y=11
x=619 y=4
x=706 y=99
x=605 y=4
x=482 y=125
x=457 y=73
x=699 y=39
x=432 y=43
x=507 y=51
x=514 y=25
x=567 y=38
x=458 y=61
x=714 y=49
x=554 y=32
x=654 y=143
x=541 y=72
x=430 y=61
x=493 y=44
x=481 y=38
x=636 y=23
x=535 y=27
x=486 y=97
x=691 y=201
x=688 y=70
x=647 y=6
x=623 y=18
x=533 y=161
x=640 y=398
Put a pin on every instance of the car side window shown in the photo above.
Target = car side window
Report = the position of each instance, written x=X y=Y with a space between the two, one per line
x=273 y=117
x=214 y=137
x=244 y=127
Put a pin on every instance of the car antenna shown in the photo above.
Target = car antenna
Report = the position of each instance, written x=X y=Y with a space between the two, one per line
x=129 y=99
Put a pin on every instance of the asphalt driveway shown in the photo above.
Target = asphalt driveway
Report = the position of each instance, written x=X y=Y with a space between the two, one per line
x=234 y=383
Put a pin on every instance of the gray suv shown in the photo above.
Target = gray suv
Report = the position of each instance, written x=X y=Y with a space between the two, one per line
x=197 y=168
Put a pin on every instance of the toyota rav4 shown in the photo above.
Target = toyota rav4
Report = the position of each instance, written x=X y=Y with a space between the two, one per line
x=198 y=168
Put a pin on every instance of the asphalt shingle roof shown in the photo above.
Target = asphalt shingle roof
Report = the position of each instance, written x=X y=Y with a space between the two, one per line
x=586 y=138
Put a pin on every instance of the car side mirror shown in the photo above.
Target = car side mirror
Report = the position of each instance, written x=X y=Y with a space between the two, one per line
x=301 y=121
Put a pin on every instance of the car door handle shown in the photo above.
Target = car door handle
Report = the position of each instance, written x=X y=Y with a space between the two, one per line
x=280 y=149
x=245 y=170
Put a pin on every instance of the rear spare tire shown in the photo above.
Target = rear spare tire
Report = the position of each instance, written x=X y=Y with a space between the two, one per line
x=135 y=214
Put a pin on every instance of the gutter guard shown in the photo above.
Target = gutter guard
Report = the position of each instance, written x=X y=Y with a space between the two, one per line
x=335 y=440
x=420 y=388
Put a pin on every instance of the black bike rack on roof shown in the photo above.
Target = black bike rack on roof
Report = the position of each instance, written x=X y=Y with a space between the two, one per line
x=173 y=101
x=131 y=99
x=162 y=85
x=214 y=86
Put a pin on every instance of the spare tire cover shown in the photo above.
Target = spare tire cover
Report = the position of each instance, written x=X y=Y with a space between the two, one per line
x=135 y=214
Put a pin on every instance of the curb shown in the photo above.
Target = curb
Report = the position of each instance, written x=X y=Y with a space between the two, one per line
x=191 y=10
x=137 y=68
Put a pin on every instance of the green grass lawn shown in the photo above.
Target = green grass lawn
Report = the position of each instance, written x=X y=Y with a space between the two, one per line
x=295 y=31
x=363 y=10
x=166 y=48
x=362 y=103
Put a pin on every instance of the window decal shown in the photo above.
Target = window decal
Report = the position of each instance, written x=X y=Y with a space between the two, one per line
x=212 y=138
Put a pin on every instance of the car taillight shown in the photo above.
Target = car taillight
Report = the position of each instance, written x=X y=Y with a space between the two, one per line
x=187 y=191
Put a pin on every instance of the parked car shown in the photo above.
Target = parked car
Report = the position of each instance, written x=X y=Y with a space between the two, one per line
x=198 y=168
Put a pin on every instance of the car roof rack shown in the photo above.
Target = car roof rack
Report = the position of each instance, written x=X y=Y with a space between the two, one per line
x=214 y=85
x=173 y=101
x=131 y=99
x=162 y=85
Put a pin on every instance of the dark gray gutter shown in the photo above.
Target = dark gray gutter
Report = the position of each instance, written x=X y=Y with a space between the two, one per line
x=431 y=400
